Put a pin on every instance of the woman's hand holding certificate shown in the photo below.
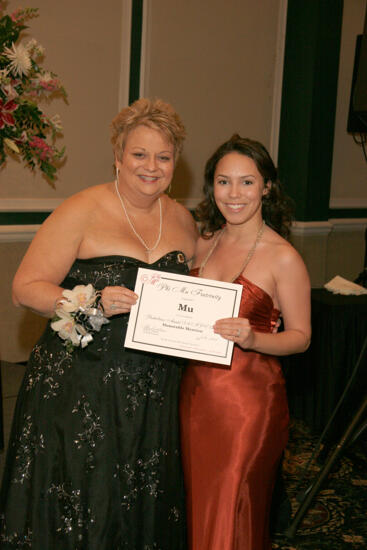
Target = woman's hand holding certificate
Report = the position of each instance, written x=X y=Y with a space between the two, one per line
x=175 y=314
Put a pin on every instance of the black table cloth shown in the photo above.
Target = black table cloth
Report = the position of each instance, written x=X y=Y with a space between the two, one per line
x=317 y=378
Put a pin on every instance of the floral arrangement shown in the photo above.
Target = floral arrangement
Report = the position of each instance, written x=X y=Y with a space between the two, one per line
x=78 y=315
x=25 y=130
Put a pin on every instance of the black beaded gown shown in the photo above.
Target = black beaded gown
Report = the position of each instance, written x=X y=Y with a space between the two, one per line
x=94 y=460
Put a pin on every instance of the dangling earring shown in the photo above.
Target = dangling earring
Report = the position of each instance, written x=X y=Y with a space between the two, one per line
x=169 y=189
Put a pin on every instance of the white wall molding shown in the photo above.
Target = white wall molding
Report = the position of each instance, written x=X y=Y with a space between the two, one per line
x=29 y=205
x=124 y=81
x=17 y=233
x=344 y=225
x=25 y=233
x=353 y=202
x=311 y=228
x=145 y=48
x=278 y=80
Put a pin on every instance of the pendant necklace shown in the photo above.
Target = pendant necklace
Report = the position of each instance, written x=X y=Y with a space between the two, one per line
x=132 y=226
x=248 y=257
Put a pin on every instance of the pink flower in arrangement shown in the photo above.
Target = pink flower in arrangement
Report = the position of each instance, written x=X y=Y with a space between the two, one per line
x=22 y=139
x=5 y=110
x=50 y=85
x=45 y=151
x=16 y=15
x=9 y=91
x=20 y=14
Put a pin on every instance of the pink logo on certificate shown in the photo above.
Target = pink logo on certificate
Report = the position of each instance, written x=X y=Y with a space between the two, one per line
x=150 y=279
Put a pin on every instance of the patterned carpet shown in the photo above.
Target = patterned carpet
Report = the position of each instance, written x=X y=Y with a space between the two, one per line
x=337 y=518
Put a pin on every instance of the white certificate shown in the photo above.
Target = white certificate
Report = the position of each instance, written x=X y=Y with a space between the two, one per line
x=175 y=314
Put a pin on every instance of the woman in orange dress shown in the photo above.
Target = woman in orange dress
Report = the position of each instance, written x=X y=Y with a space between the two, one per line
x=234 y=420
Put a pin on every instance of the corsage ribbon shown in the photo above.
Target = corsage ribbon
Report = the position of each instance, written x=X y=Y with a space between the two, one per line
x=78 y=315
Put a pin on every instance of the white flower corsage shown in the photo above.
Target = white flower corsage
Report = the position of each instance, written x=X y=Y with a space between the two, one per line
x=78 y=315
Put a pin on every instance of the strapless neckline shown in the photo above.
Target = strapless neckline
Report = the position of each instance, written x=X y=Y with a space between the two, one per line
x=121 y=256
x=250 y=283
x=266 y=294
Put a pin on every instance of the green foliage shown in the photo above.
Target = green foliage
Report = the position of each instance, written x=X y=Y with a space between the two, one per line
x=25 y=131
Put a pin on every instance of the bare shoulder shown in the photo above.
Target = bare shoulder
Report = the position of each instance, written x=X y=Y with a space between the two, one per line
x=85 y=199
x=279 y=247
x=285 y=259
x=79 y=207
x=183 y=216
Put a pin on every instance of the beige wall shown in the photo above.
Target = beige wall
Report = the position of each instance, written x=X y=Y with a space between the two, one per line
x=349 y=172
x=345 y=253
x=216 y=62
x=331 y=248
x=19 y=329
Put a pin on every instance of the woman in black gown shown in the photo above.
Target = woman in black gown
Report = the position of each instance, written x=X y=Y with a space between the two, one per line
x=94 y=458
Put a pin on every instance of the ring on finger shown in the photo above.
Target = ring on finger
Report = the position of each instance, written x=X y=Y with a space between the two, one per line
x=113 y=306
x=238 y=333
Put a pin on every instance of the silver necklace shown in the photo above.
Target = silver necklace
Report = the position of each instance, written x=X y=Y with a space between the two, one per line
x=248 y=257
x=132 y=226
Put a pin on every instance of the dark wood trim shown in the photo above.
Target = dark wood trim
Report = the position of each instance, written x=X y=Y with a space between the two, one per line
x=347 y=213
x=23 y=218
x=135 y=49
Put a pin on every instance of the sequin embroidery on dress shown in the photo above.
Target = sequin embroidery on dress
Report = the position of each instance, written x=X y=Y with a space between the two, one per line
x=141 y=383
x=94 y=457
x=47 y=368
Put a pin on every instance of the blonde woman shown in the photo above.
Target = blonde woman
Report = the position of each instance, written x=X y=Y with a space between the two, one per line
x=94 y=455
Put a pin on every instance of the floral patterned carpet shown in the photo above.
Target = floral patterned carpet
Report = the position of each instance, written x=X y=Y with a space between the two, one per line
x=337 y=517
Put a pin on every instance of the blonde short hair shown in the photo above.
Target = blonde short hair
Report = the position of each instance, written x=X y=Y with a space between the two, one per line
x=153 y=113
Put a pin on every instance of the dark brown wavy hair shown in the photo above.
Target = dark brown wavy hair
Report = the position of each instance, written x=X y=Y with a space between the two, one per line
x=277 y=207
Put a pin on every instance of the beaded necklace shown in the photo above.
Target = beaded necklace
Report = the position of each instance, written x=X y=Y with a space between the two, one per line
x=133 y=228
x=248 y=257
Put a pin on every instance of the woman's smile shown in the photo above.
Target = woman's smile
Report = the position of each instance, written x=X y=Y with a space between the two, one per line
x=147 y=163
x=238 y=188
x=148 y=179
x=235 y=207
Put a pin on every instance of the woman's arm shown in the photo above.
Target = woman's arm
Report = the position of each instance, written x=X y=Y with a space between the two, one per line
x=293 y=293
x=36 y=284
x=52 y=252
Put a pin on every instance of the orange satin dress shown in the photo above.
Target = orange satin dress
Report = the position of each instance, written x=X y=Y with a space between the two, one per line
x=234 y=427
